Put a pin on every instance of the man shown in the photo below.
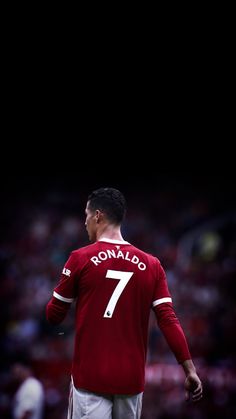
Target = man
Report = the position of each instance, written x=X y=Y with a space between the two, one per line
x=115 y=286
x=28 y=402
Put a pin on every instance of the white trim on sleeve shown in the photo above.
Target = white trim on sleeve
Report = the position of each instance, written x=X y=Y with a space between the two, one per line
x=161 y=300
x=59 y=297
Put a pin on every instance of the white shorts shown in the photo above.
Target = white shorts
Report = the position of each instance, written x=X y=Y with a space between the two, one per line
x=86 y=405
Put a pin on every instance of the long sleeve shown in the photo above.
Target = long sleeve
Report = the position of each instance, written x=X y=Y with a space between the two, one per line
x=56 y=310
x=172 y=331
x=64 y=293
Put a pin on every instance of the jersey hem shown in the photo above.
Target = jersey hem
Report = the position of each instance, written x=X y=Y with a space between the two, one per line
x=105 y=390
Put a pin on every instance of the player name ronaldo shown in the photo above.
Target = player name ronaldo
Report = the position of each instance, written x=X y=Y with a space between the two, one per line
x=108 y=254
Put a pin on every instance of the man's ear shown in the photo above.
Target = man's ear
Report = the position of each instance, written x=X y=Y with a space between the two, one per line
x=98 y=216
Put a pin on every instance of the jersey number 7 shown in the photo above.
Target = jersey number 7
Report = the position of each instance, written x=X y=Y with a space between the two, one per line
x=123 y=278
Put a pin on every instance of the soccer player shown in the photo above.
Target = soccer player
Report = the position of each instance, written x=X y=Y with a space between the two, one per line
x=115 y=286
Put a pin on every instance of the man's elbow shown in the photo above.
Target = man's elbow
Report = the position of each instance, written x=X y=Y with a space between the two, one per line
x=52 y=317
x=56 y=311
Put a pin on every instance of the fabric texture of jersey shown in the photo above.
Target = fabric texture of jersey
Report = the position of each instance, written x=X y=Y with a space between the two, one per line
x=115 y=285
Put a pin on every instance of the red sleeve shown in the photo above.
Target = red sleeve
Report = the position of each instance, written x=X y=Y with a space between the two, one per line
x=65 y=292
x=172 y=330
x=66 y=289
x=56 y=310
x=161 y=292
x=167 y=319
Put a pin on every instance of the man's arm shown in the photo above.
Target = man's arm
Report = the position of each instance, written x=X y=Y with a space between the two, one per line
x=175 y=337
x=56 y=310
x=172 y=330
x=64 y=293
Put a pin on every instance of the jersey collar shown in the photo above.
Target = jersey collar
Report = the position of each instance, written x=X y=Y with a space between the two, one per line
x=104 y=239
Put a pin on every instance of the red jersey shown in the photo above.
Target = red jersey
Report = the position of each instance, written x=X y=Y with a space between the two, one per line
x=115 y=285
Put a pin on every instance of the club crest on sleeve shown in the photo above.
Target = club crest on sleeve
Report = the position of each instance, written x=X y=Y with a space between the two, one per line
x=66 y=272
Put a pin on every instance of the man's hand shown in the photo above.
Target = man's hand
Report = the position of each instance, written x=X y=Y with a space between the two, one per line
x=193 y=386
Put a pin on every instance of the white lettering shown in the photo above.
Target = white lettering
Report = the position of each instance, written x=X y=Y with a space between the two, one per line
x=127 y=256
x=142 y=266
x=95 y=260
x=120 y=255
x=108 y=253
x=111 y=253
x=102 y=255
x=135 y=259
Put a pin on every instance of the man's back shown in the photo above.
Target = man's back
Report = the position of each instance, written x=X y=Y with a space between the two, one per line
x=116 y=285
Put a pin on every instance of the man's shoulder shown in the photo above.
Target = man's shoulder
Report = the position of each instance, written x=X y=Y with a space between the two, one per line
x=84 y=250
x=152 y=258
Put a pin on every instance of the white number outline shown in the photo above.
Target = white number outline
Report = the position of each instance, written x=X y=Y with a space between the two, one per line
x=123 y=278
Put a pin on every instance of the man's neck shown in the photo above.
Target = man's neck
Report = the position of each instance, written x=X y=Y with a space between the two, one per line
x=109 y=232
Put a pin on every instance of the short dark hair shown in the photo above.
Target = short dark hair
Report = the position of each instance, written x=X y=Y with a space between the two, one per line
x=110 y=201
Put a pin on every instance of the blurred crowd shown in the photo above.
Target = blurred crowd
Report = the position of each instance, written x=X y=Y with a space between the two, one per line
x=196 y=244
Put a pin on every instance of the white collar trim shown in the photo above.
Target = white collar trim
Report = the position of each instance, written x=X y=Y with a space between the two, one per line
x=104 y=239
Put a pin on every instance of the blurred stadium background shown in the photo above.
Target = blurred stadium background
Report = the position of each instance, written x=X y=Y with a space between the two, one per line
x=187 y=221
